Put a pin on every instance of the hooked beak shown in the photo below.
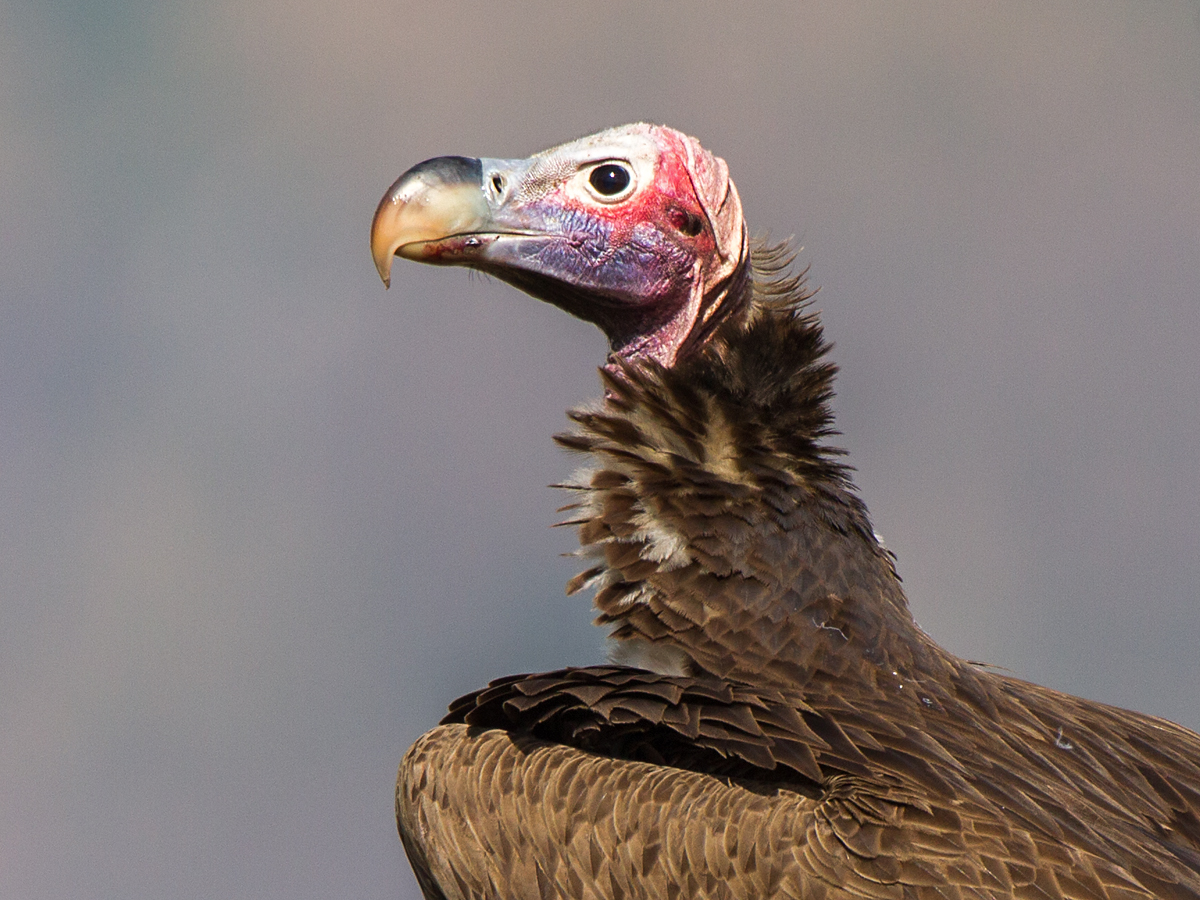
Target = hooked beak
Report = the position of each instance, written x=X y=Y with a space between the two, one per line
x=435 y=212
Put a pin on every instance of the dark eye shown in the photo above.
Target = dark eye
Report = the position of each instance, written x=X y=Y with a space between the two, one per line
x=609 y=179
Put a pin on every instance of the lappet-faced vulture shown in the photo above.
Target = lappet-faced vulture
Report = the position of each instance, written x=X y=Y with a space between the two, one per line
x=774 y=723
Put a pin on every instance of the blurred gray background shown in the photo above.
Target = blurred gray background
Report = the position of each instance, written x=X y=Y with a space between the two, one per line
x=260 y=521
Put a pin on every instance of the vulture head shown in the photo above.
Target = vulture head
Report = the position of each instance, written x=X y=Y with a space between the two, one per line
x=637 y=229
x=724 y=530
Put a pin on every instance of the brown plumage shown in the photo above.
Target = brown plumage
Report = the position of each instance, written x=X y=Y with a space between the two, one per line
x=801 y=736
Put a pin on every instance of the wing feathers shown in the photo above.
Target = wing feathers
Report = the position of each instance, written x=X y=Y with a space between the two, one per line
x=871 y=808
x=692 y=723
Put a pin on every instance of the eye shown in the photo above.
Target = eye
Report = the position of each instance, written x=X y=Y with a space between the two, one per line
x=610 y=180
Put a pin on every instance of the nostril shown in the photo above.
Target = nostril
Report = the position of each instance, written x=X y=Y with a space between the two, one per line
x=498 y=183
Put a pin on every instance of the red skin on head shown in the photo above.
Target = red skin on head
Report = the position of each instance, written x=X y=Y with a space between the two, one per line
x=665 y=212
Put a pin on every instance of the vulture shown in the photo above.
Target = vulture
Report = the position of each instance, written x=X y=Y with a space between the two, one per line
x=773 y=722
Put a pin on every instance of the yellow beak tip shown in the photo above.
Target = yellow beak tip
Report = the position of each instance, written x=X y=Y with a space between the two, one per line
x=383 y=261
x=433 y=200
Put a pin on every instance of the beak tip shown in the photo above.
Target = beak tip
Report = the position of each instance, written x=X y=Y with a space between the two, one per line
x=383 y=263
x=433 y=200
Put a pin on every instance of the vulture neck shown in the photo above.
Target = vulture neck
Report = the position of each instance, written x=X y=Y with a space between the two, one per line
x=726 y=536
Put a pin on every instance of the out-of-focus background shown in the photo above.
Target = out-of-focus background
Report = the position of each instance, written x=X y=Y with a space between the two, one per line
x=260 y=521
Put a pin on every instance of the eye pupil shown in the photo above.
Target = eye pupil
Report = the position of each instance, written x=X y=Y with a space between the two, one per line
x=609 y=179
